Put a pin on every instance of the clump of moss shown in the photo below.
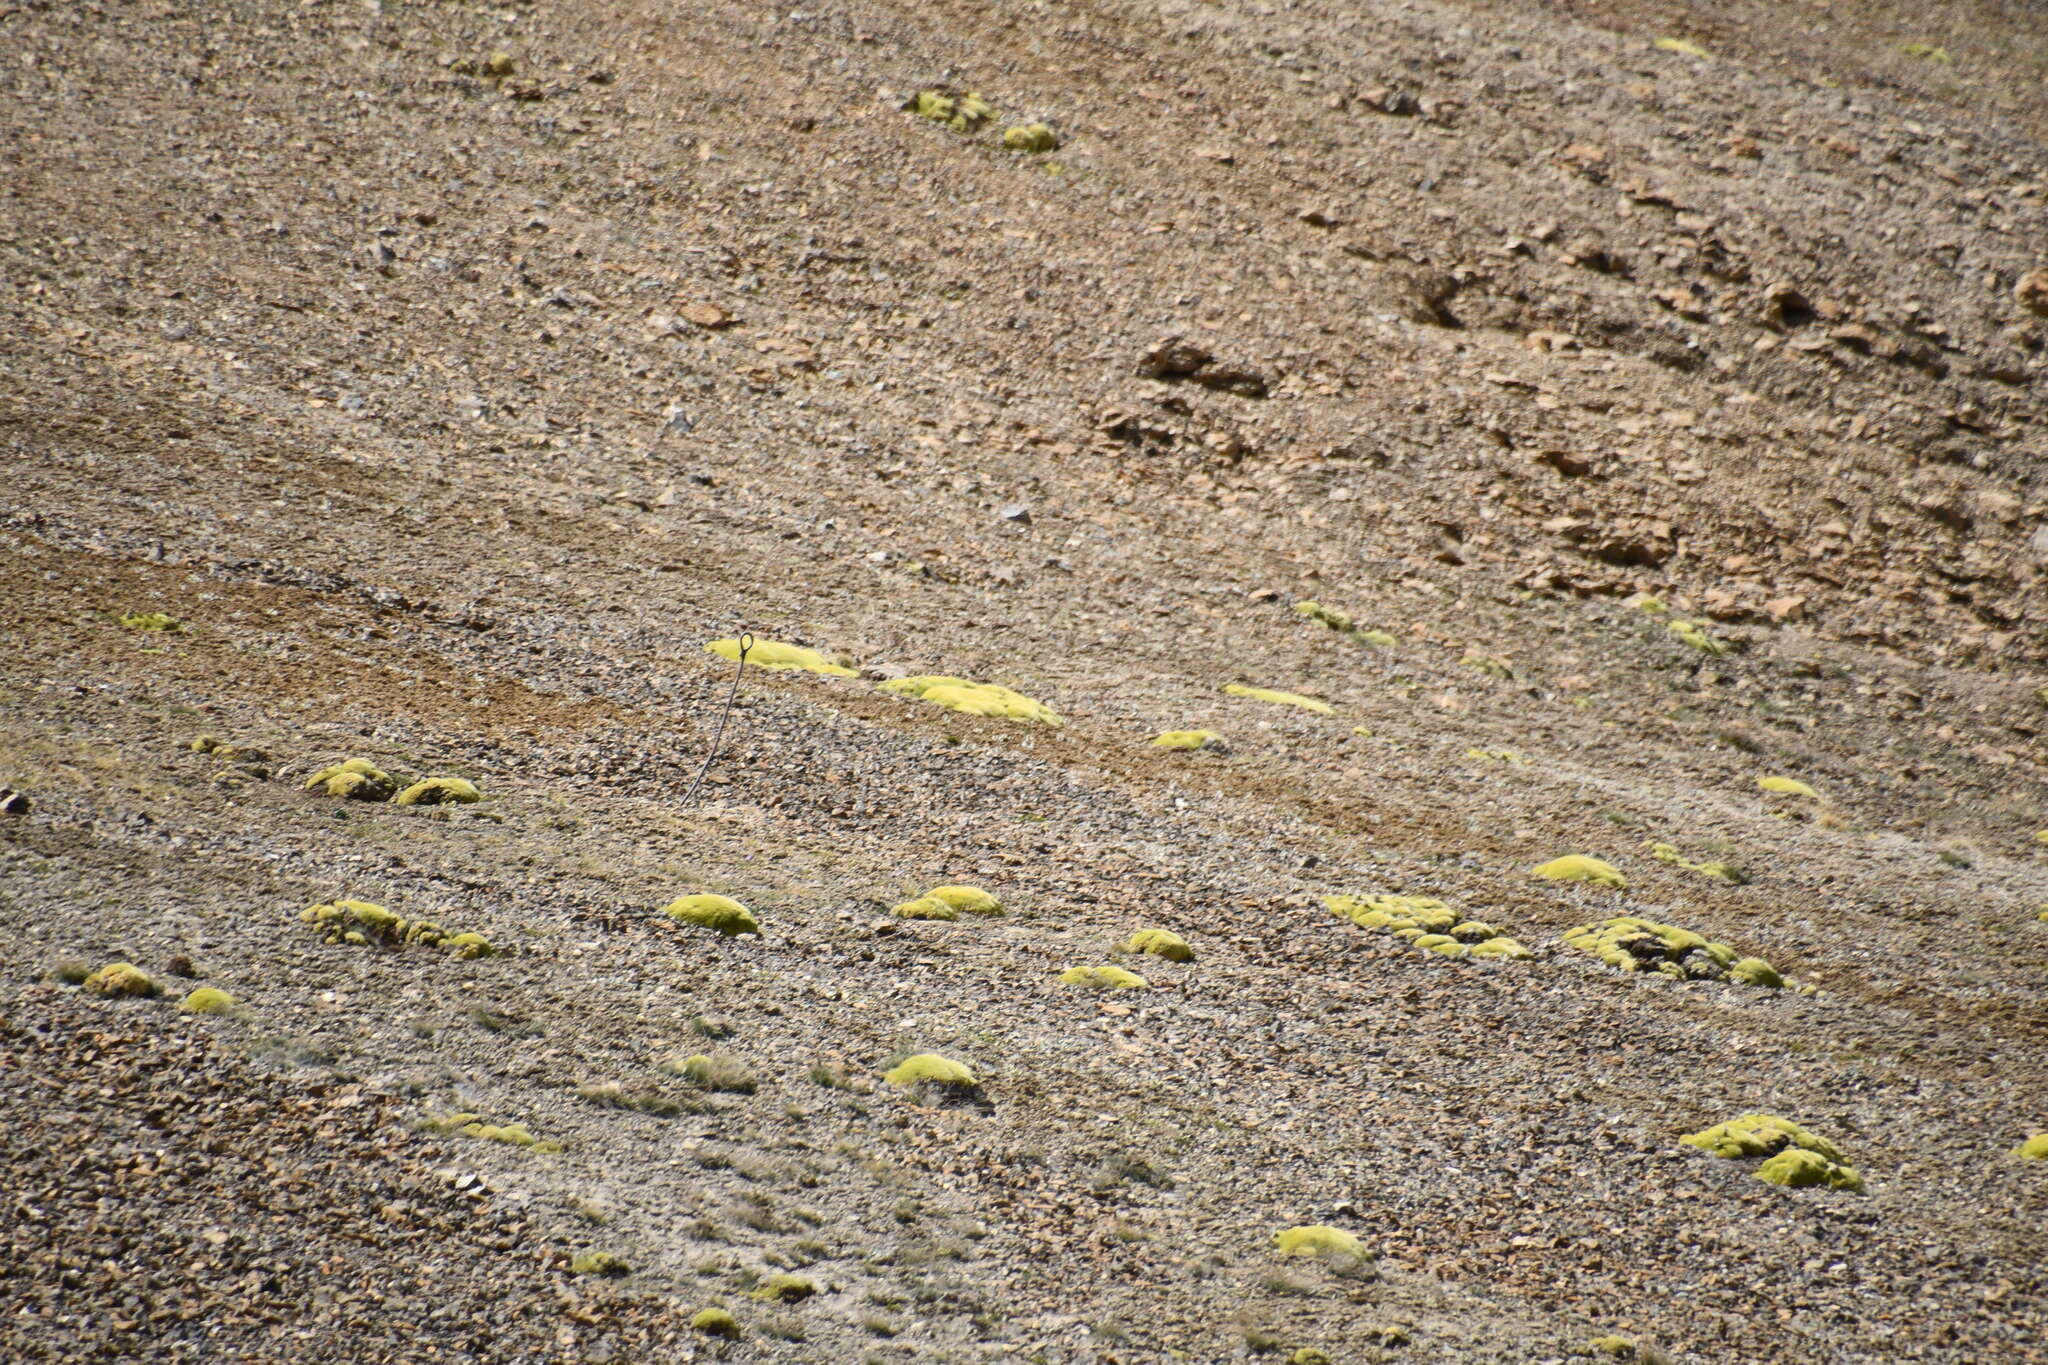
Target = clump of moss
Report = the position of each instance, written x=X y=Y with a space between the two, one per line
x=1188 y=739
x=777 y=655
x=715 y=1322
x=1160 y=943
x=208 y=1000
x=1427 y=923
x=436 y=791
x=721 y=913
x=2034 y=1148
x=967 y=113
x=975 y=699
x=1321 y=708
x=785 y=1289
x=71 y=972
x=1339 y=621
x=1309 y=1355
x=720 y=1072
x=1104 y=979
x=926 y=907
x=1759 y=1135
x=1799 y=1168
x=1632 y=944
x=1035 y=138
x=360 y=923
x=226 y=752
x=1754 y=971
x=1692 y=633
x=477 y=1126
x=152 y=620
x=1787 y=786
x=930 y=1069
x=599 y=1263
x=1720 y=871
x=1577 y=867
x=1334 y=1247
x=971 y=900
x=120 y=979
x=354 y=779
x=1616 y=1347
x=1512 y=757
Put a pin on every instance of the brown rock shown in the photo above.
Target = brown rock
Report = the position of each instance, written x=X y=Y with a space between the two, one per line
x=707 y=315
x=2031 y=293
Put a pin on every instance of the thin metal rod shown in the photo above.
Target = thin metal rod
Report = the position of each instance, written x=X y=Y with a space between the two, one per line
x=746 y=643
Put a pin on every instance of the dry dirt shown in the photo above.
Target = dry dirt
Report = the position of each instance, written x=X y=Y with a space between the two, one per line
x=452 y=404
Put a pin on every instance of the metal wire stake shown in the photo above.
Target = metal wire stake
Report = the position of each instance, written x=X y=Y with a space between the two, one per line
x=746 y=643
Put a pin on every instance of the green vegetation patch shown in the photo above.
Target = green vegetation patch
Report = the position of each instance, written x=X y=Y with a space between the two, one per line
x=1321 y=708
x=119 y=980
x=354 y=779
x=1160 y=943
x=930 y=1069
x=1428 y=924
x=1719 y=871
x=1694 y=634
x=715 y=1322
x=152 y=620
x=599 y=1263
x=2034 y=1148
x=721 y=913
x=208 y=1000
x=970 y=900
x=1577 y=867
x=785 y=1289
x=721 y=1072
x=1759 y=1135
x=974 y=699
x=362 y=924
x=1104 y=978
x=1787 y=786
x=1799 y=1168
x=1630 y=944
x=968 y=113
x=436 y=791
x=1188 y=739
x=1035 y=138
x=925 y=907
x=477 y=1126
x=777 y=655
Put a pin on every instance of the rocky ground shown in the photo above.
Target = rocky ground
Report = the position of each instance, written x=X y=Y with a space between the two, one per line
x=1658 y=394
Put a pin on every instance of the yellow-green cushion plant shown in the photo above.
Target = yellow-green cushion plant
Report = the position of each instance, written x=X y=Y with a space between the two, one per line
x=1799 y=1168
x=360 y=923
x=354 y=779
x=1035 y=138
x=208 y=1000
x=1315 y=1239
x=930 y=1069
x=974 y=699
x=785 y=1289
x=1577 y=867
x=1630 y=943
x=1693 y=634
x=1755 y=1135
x=971 y=900
x=1787 y=786
x=721 y=913
x=599 y=1263
x=715 y=1322
x=925 y=907
x=1104 y=979
x=1188 y=739
x=1321 y=708
x=1160 y=943
x=777 y=655
x=1669 y=853
x=2034 y=1148
x=435 y=791
x=118 y=979
x=1427 y=923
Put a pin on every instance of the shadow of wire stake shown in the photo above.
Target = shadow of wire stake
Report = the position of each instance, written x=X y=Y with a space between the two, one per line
x=740 y=666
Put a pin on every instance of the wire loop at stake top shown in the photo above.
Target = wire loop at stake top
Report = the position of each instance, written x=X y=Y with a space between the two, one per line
x=739 y=667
